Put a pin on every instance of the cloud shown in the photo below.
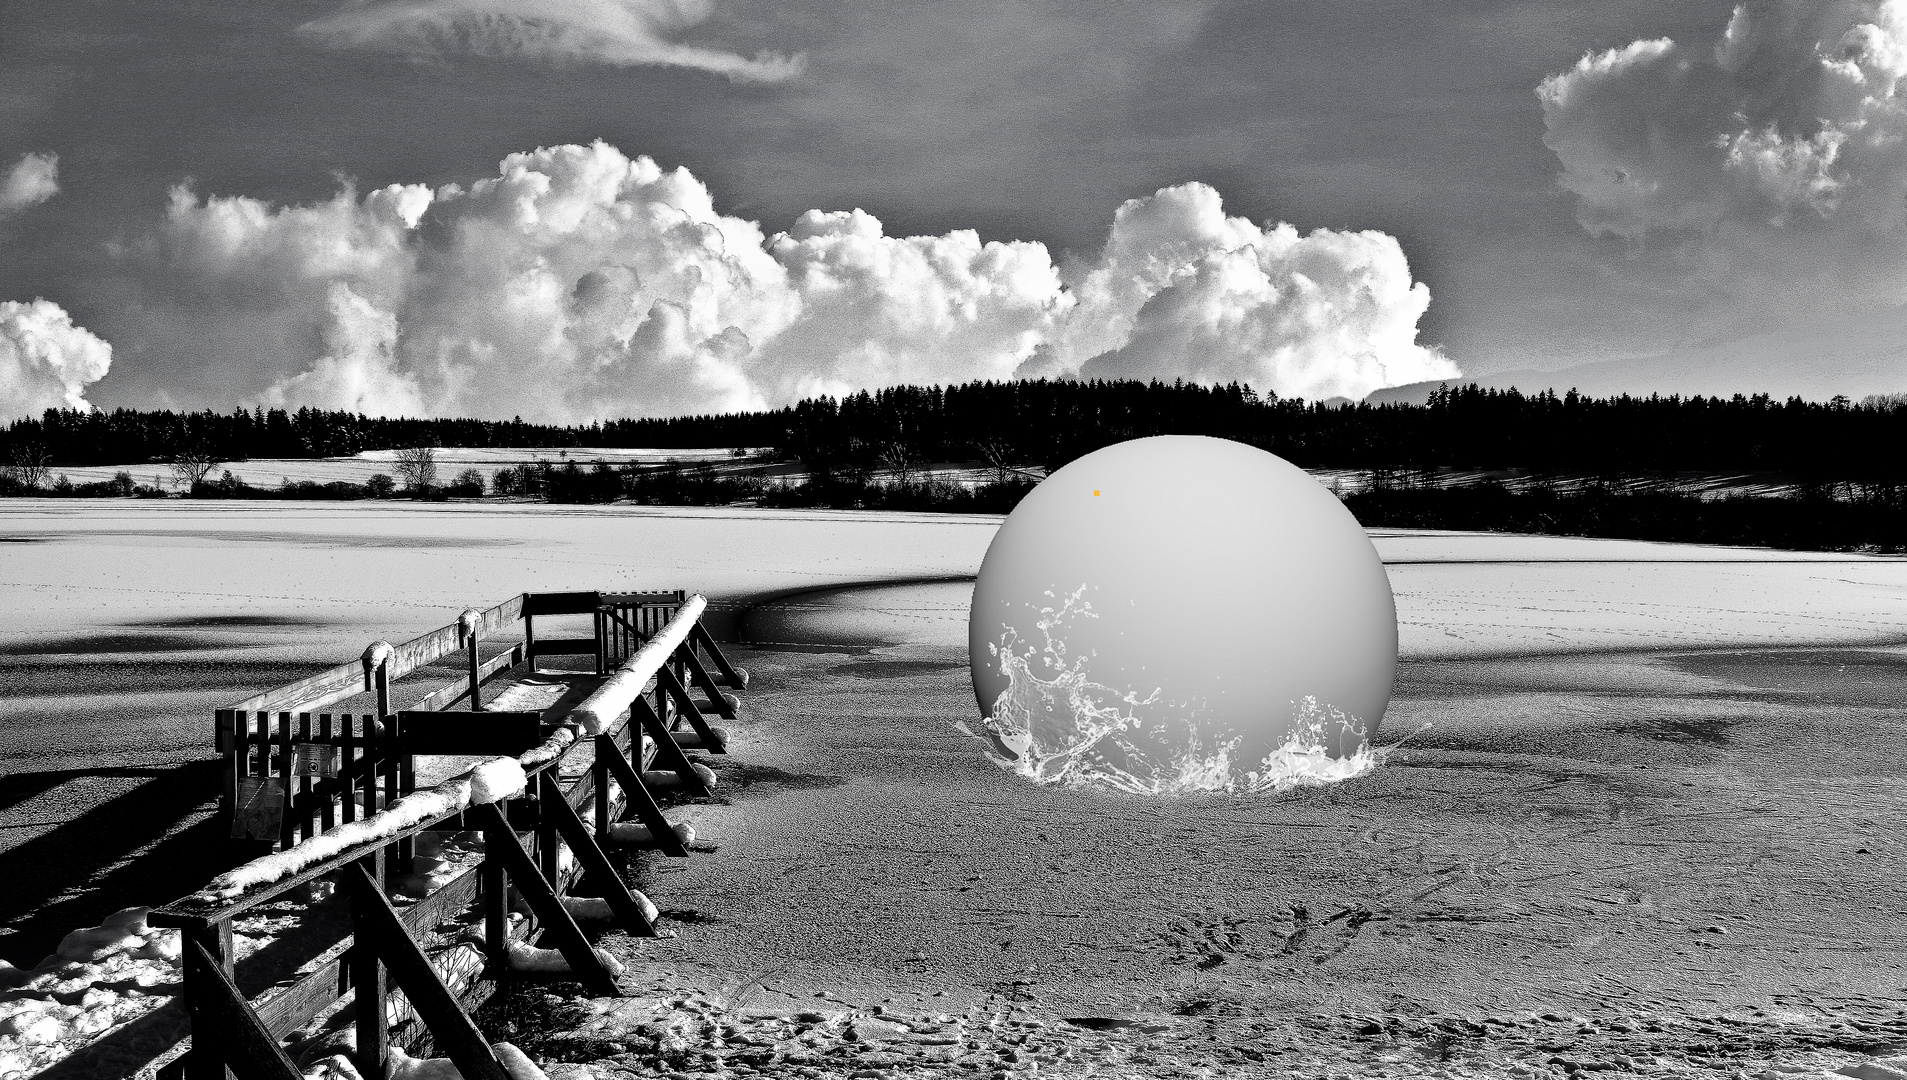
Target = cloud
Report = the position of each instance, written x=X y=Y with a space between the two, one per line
x=1182 y=288
x=1778 y=152
x=580 y=283
x=33 y=179
x=45 y=361
x=621 y=32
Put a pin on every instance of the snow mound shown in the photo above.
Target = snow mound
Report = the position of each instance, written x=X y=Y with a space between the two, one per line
x=668 y=778
x=494 y=781
x=532 y=960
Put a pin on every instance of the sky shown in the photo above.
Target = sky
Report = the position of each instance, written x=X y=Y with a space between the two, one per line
x=569 y=209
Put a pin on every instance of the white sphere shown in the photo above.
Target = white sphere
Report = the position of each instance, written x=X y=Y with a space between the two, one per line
x=1178 y=613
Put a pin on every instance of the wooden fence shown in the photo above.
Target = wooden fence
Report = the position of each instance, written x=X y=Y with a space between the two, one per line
x=569 y=801
x=292 y=772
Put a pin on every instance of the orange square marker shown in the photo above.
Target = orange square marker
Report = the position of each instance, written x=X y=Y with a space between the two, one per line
x=1095 y=491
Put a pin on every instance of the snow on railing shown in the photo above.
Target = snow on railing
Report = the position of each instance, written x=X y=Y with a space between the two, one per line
x=498 y=778
x=620 y=690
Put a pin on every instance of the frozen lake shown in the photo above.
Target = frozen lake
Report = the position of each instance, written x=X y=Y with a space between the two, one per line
x=131 y=621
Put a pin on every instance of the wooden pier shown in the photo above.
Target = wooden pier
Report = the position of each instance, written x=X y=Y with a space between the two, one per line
x=342 y=796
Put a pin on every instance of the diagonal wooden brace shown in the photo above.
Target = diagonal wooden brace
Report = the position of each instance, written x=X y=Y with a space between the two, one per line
x=731 y=675
x=666 y=747
x=500 y=839
x=629 y=913
x=667 y=680
x=637 y=797
x=699 y=675
x=376 y=926
x=222 y=1019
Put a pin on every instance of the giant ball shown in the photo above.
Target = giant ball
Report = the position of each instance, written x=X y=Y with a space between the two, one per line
x=1181 y=613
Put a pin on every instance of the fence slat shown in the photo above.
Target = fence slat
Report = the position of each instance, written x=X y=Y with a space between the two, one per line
x=287 y=821
x=347 y=797
x=327 y=816
x=304 y=782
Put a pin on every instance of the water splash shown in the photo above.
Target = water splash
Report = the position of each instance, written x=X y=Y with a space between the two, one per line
x=1059 y=726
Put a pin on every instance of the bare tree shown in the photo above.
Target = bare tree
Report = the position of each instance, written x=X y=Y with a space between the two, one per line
x=898 y=456
x=191 y=466
x=998 y=454
x=28 y=465
x=417 y=467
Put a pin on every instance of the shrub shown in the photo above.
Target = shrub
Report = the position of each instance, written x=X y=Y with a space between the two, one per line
x=380 y=486
x=468 y=485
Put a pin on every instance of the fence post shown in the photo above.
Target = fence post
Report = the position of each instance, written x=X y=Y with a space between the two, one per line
x=368 y=979
x=206 y=1059
x=471 y=622
x=496 y=894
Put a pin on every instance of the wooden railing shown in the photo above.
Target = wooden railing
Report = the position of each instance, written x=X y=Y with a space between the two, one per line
x=625 y=740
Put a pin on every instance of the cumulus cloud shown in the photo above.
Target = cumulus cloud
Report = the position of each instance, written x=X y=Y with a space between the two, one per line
x=45 y=361
x=33 y=179
x=581 y=283
x=620 y=32
x=1181 y=287
x=1781 y=146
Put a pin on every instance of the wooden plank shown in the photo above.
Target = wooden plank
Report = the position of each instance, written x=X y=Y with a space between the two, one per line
x=666 y=750
x=503 y=733
x=499 y=837
x=376 y=926
x=286 y=1008
x=731 y=675
x=560 y=603
x=221 y=1017
x=314 y=692
x=629 y=913
x=690 y=712
x=433 y=645
x=724 y=703
x=640 y=599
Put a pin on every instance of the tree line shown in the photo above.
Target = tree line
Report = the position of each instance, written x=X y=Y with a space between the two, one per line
x=1048 y=423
